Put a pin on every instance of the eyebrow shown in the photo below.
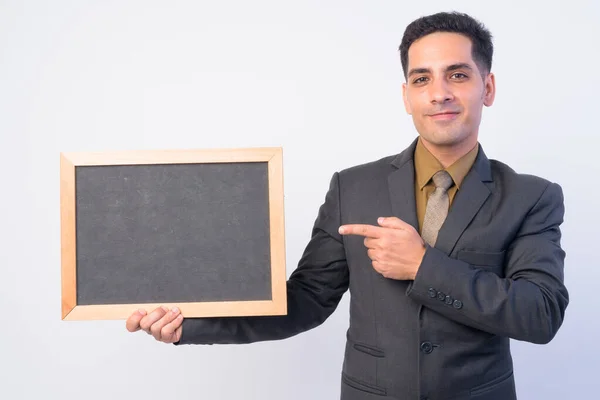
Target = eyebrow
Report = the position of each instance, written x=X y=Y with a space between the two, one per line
x=449 y=68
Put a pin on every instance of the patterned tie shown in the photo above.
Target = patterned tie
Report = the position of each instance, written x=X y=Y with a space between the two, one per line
x=437 y=207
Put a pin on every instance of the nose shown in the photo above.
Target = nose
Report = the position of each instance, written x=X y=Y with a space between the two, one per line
x=440 y=92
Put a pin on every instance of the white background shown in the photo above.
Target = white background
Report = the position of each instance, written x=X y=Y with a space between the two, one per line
x=322 y=80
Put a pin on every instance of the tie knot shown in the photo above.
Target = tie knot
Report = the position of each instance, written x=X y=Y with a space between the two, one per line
x=442 y=180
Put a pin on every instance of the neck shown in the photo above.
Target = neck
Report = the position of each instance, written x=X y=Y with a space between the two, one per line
x=448 y=155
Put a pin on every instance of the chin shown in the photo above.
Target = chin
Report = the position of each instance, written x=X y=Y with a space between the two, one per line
x=445 y=139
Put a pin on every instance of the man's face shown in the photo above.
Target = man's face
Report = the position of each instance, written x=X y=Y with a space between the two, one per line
x=444 y=90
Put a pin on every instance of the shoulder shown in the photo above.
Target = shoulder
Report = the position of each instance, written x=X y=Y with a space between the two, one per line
x=368 y=170
x=524 y=185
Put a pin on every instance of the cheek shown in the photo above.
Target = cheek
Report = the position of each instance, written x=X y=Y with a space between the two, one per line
x=418 y=106
x=418 y=119
x=417 y=99
x=472 y=106
x=476 y=108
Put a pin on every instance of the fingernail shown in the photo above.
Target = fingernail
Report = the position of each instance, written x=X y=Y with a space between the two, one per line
x=143 y=312
x=380 y=219
x=165 y=309
x=175 y=310
x=180 y=317
x=341 y=230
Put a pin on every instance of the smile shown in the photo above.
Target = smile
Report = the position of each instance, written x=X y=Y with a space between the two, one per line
x=444 y=116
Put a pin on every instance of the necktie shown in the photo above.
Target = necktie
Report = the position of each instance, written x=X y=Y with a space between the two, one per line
x=437 y=207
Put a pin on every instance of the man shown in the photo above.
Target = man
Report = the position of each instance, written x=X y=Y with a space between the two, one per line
x=447 y=255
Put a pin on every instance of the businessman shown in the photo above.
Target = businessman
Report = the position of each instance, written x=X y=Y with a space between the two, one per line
x=446 y=253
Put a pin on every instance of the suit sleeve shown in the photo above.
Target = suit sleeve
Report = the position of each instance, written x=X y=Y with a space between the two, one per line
x=314 y=290
x=528 y=303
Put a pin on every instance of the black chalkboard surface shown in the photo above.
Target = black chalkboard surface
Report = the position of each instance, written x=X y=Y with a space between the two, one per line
x=198 y=229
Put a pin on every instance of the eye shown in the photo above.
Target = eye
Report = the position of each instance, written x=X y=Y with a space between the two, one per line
x=459 y=75
x=421 y=79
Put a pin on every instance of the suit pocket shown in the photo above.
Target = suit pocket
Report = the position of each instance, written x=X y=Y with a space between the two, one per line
x=362 y=386
x=502 y=387
x=370 y=350
x=486 y=259
x=361 y=363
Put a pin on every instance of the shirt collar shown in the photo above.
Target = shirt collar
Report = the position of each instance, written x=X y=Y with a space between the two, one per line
x=426 y=165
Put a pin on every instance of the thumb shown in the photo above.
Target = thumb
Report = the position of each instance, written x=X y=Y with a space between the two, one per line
x=392 y=223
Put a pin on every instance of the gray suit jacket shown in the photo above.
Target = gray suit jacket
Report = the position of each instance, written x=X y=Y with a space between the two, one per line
x=496 y=272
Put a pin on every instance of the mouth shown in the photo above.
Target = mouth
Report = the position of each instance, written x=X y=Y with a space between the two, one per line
x=444 y=116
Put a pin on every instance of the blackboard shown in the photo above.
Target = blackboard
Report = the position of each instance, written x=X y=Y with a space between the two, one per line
x=198 y=229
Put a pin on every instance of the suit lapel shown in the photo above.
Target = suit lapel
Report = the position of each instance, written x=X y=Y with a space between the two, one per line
x=402 y=194
x=401 y=184
x=468 y=201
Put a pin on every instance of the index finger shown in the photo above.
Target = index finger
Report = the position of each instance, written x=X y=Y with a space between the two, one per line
x=133 y=322
x=361 y=230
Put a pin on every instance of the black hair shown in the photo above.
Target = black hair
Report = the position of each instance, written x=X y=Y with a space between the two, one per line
x=455 y=22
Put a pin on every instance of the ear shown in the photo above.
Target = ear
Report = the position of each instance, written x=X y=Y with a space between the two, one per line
x=490 y=90
x=405 y=98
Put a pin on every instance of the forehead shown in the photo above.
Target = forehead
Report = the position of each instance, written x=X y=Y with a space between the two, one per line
x=440 y=49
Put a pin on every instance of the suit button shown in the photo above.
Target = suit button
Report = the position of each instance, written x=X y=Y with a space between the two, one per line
x=432 y=293
x=441 y=296
x=457 y=304
x=426 y=347
x=448 y=300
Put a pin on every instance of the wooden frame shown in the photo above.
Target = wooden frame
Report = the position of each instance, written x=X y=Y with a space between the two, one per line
x=68 y=164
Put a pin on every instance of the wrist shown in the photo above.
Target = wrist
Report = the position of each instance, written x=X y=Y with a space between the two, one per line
x=420 y=256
